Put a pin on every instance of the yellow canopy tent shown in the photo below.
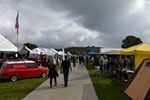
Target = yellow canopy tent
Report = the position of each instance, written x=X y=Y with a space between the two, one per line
x=141 y=51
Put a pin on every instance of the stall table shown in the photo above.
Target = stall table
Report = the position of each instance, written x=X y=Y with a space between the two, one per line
x=124 y=74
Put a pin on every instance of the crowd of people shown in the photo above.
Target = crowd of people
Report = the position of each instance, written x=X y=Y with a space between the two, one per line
x=106 y=65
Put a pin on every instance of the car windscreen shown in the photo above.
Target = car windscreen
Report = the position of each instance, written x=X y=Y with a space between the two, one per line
x=3 y=66
x=33 y=56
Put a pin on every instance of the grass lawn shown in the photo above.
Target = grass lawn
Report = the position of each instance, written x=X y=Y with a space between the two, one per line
x=19 y=89
x=105 y=88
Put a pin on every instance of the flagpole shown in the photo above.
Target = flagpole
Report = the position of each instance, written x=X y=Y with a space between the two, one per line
x=17 y=42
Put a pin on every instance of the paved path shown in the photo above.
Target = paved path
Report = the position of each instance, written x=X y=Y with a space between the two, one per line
x=79 y=88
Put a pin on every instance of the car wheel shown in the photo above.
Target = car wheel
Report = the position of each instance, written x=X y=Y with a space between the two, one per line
x=14 y=78
x=43 y=74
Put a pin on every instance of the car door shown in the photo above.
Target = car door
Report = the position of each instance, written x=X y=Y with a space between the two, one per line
x=18 y=69
x=33 y=70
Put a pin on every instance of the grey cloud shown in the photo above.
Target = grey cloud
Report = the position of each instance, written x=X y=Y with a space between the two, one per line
x=65 y=23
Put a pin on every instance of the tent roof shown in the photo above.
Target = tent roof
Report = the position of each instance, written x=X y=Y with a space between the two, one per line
x=35 y=51
x=51 y=52
x=24 y=49
x=43 y=49
x=61 y=53
x=92 y=52
x=47 y=51
x=111 y=52
x=143 y=48
x=6 y=45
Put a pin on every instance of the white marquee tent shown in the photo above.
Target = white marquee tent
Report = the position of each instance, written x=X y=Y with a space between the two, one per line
x=36 y=51
x=39 y=51
x=6 y=45
x=24 y=49
x=50 y=52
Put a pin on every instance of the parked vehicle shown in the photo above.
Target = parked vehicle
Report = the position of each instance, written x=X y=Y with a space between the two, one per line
x=36 y=58
x=15 y=70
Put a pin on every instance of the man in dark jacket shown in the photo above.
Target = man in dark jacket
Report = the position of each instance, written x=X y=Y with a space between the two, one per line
x=65 y=66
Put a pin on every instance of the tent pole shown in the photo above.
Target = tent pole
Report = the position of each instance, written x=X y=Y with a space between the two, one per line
x=100 y=49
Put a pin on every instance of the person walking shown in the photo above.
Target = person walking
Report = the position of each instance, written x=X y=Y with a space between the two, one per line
x=87 y=60
x=97 y=66
x=132 y=63
x=65 y=66
x=126 y=62
x=105 y=62
x=74 y=61
x=45 y=60
x=53 y=73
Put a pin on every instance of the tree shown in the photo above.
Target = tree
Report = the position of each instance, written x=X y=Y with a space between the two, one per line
x=30 y=46
x=130 y=41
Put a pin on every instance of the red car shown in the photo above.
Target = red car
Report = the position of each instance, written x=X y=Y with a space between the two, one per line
x=36 y=58
x=15 y=70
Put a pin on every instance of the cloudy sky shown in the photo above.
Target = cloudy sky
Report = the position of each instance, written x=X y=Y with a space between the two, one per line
x=68 y=23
